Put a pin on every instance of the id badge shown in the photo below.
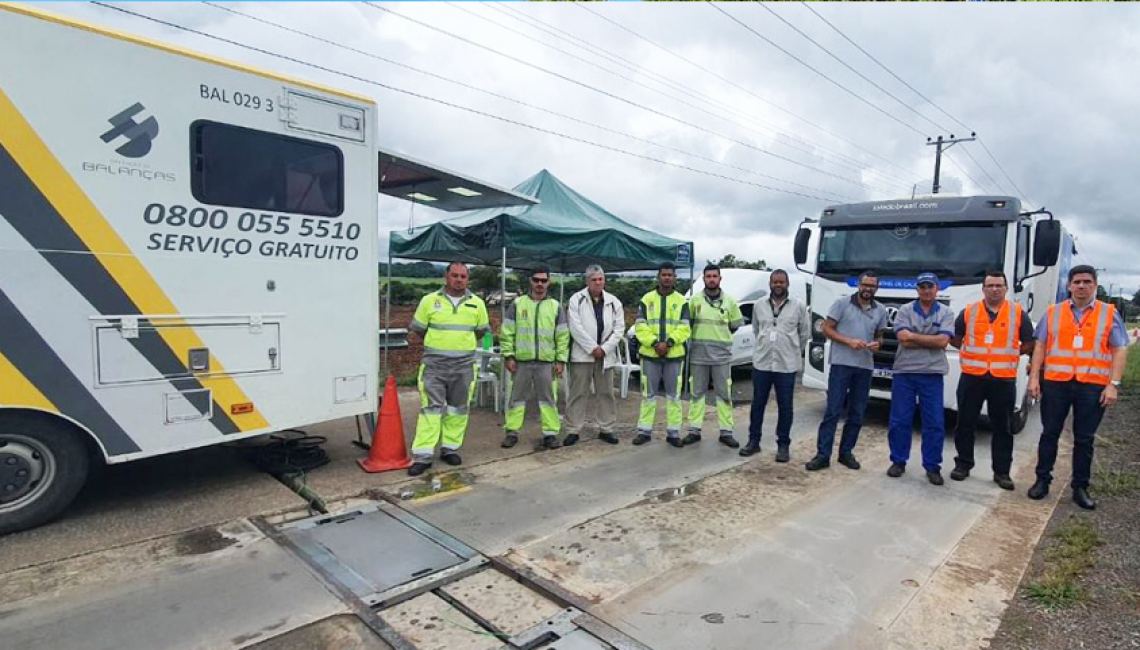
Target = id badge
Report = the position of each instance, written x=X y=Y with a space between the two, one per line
x=772 y=335
x=1078 y=341
x=989 y=338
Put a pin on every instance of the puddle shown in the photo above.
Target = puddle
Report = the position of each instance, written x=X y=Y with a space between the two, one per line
x=437 y=483
x=672 y=494
x=200 y=542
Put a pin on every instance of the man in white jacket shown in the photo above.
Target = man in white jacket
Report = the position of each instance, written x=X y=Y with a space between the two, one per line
x=597 y=323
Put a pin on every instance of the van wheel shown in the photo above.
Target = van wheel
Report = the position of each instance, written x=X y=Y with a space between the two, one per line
x=1021 y=415
x=43 y=464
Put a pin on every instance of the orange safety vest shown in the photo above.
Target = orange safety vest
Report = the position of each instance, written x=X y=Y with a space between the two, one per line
x=991 y=347
x=1090 y=362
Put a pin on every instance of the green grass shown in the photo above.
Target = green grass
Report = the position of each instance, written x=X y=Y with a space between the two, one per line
x=437 y=281
x=1132 y=370
x=1115 y=483
x=1073 y=551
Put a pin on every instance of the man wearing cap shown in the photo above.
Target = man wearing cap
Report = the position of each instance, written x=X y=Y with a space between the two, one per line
x=991 y=335
x=923 y=328
x=1082 y=347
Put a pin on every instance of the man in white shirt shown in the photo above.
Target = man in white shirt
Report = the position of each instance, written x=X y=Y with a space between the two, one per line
x=782 y=328
x=597 y=324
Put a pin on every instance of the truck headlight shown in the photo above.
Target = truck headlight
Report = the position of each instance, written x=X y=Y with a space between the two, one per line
x=817 y=325
x=817 y=353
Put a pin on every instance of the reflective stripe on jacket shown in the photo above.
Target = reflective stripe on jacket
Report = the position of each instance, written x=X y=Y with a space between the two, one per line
x=713 y=322
x=657 y=315
x=1091 y=361
x=1000 y=356
x=535 y=331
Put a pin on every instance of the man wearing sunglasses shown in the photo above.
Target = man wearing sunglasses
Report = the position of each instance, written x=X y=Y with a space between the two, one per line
x=535 y=340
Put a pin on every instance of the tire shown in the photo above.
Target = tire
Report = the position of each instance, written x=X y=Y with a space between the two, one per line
x=1021 y=416
x=43 y=464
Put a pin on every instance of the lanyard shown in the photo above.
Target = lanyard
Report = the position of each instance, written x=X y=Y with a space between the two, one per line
x=776 y=312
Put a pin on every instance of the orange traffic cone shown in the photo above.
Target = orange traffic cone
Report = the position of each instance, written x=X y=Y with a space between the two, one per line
x=387 y=451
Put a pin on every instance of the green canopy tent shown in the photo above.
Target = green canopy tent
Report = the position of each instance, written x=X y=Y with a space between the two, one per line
x=564 y=231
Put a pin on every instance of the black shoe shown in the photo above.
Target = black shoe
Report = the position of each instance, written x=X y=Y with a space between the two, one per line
x=690 y=439
x=783 y=454
x=1003 y=481
x=729 y=441
x=510 y=440
x=960 y=472
x=570 y=440
x=550 y=442
x=819 y=462
x=896 y=470
x=641 y=439
x=1039 y=491
x=1081 y=498
x=418 y=468
x=604 y=437
x=934 y=476
x=749 y=450
x=451 y=458
x=677 y=442
x=849 y=460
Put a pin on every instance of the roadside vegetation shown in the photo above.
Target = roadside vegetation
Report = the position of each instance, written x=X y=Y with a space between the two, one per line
x=1071 y=551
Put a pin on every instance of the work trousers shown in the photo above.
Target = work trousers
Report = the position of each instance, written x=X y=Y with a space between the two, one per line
x=533 y=380
x=999 y=397
x=660 y=377
x=721 y=379
x=1057 y=399
x=445 y=397
x=853 y=386
x=762 y=383
x=926 y=388
x=584 y=404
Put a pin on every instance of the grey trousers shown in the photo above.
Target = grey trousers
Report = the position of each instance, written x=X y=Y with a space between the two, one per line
x=721 y=375
x=533 y=380
x=597 y=404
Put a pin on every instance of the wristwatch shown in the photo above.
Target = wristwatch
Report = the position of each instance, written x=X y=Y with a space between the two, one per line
x=1116 y=382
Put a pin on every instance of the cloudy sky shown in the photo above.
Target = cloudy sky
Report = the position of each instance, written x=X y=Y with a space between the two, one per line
x=755 y=127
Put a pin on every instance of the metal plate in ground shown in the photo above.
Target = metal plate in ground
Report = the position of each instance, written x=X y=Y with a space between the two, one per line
x=577 y=640
x=428 y=622
x=375 y=549
x=503 y=602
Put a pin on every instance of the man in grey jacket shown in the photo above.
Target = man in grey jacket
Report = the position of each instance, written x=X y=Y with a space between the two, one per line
x=781 y=328
x=597 y=324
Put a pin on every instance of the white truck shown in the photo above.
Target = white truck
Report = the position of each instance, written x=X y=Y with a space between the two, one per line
x=189 y=253
x=959 y=239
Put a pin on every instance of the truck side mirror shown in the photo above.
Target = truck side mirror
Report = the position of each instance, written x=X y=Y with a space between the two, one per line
x=803 y=236
x=1047 y=243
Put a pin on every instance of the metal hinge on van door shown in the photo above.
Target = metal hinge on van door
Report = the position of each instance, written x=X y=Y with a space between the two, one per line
x=255 y=324
x=129 y=327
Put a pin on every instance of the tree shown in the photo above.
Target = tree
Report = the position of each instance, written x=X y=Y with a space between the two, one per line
x=730 y=262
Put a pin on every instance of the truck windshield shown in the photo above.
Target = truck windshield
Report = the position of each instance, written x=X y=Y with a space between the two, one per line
x=962 y=251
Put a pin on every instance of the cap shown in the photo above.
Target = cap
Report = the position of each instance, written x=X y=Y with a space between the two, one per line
x=927 y=278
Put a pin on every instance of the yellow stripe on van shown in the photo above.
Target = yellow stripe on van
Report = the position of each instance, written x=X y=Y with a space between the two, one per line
x=174 y=49
x=69 y=200
x=17 y=390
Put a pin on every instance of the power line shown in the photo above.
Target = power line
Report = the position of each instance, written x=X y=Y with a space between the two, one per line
x=613 y=96
x=791 y=140
x=609 y=71
x=712 y=73
x=512 y=100
x=912 y=88
x=442 y=102
x=848 y=66
x=809 y=67
x=1007 y=176
x=984 y=171
x=965 y=173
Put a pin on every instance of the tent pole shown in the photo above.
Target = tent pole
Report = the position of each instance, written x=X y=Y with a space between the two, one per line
x=503 y=317
x=387 y=310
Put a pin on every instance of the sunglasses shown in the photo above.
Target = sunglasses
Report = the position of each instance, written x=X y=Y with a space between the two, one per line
x=540 y=280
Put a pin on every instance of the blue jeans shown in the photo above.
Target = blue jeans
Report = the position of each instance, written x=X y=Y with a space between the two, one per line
x=853 y=385
x=762 y=383
x=1057 y=398
x=927 y=389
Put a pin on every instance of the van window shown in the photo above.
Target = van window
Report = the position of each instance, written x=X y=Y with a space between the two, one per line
x=244 y=168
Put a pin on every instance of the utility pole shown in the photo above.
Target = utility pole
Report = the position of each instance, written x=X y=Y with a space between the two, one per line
x=938 y=154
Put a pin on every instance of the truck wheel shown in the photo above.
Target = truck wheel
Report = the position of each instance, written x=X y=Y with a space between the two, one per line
x=1021 y=415
x=43 y=464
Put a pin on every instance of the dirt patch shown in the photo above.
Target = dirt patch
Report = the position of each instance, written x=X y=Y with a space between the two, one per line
x=1082 y=588
x=200 y=542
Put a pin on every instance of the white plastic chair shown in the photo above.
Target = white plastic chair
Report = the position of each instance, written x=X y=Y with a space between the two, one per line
x=488 y=375
x=624 y=368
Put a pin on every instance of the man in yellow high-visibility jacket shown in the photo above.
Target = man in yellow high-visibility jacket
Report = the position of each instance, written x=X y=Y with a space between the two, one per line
x=715 y=316
x=535 y=340
x=451 y=321
x=662 y=327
